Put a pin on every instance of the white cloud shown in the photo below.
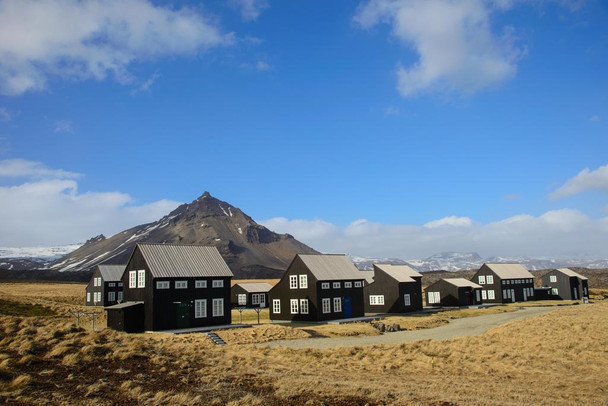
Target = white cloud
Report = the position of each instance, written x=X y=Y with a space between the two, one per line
x=250 y=9
x=584 y=181
x=63 y=126
x=457 y=50
x=560 y=234
x=147 y=85
x=4 y=115
x=594 y=118
x=21 y=168
x=81 y=40
x=263 y=66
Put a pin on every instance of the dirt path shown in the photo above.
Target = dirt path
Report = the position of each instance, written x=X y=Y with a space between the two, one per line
x=468 y=326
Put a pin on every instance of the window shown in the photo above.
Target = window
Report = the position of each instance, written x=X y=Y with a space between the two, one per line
x=255 y=299
x=376 y=299
x=111 y=296
x=276 y=306
x=242 y=299
x=200 y=284
x=293 y=281
x=482 y=279
x=141 y=278
x=218 y=307
x=200 y=308
x=218 y=283
x=585 y=291
x=97 y=297
x=97 y=281
x=406 y=299
x=503 y=282
x=325 y=285
x=504 y=294
x=491 y=295
x=337 y=304
x=518 y=281
x=507 y=282
x=303 y=282
x=181 y=284
x=326 y=304
x=554 y=291
x=88 y=296
x=508 y=295
x=120 y=296
x=358 y=284
x=111 y=284
x=433 y=297
x=490 y=279
x=335 y=285
x=348 y=285
x=294 y=306
x=162 y=284
x=304 y=306
x=120 y=284
x=484 y=295
x=552 y=278
x=132 y=279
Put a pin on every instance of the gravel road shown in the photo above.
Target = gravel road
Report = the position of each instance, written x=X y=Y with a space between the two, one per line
x=468 y=326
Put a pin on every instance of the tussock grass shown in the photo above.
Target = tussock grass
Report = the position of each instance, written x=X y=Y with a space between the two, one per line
x=260 y=334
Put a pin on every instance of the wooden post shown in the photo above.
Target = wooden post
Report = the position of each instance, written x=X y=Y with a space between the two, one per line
x=258 y=310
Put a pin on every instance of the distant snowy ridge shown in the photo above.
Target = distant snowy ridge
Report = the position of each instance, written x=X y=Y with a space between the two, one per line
x=38 y=254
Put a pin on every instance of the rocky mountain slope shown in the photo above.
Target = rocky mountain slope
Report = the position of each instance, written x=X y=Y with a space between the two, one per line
x=250 y=250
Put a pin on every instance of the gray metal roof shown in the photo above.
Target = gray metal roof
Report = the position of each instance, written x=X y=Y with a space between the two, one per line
x=401 y=273
x=570 y=272
x=369 y=276
x=255 y=287
x=123 y=305
x=331 y=267
x=111 y=273
x=462 y=283
x=510 y=271
x=184 y=261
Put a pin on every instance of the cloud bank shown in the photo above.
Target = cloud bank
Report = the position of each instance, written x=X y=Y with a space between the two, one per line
x=584 y=181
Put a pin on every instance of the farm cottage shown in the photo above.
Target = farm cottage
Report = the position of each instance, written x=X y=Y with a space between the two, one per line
x=453 y=292
x=395 y=289
x=250 y=294
x=105 y=287
x=566 y=284
x=503 y=283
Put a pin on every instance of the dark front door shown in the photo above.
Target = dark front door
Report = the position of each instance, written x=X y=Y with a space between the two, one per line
x=183 y=315
x=467 y=295
x=347 y=308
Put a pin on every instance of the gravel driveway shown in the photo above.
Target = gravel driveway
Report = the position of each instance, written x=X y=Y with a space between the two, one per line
x=468 y=326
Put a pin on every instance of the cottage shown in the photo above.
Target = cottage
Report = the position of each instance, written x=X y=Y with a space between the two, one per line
x=318 y=287
x=395 y=289
x=179 y=286
x=566 y=284
x=105 y=287
x=250 y=294
x=453 y=292
x=504 y=283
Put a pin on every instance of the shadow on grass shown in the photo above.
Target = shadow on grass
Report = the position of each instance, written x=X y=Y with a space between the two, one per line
x=9 y=308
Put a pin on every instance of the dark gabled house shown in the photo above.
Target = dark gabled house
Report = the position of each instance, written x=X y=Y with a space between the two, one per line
x=174 y=287
x=453 y=292
x=250 y=294
x=566 y=284
x=504 y=283
x=318 y=287
x=395 y=289
x=105 y=287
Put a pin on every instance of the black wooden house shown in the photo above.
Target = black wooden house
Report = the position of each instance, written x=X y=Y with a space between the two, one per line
x=250 y=294
x=453 y=292
x=180 y=286
x=318 y=287
x=105 y=286
x=504 y=283
x=395 y=289
x=566 y=284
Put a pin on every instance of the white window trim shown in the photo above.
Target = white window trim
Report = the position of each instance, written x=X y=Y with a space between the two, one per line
x=304 y=306
x=555 y=291
x=407 y=300
x=293 y=306
x=337 y=304
x=200 y=284
x=491 y=295
x=484 y=295
x=217 y=283
x=163 y=285
x=132 y=279
x=335 y=285
x=141 y=278
x=293 y=281
x=89 y=297
x=326 y=305
x=490 y=280
x=348 y=285
x=111 y=296
x=324 y=285
x=241 y=299
x=481 y=279
x=220 y=308
x=552 y=278
x=181 y=284
x=255 y=299
x=303 y=281
x=200 y=308
x=276 y=306
x=376 y=300
x=358 y=284
x=119 y=299
x=432 y=297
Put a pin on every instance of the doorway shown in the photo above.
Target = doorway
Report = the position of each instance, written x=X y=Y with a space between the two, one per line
x=347 y=307
x=183 y=315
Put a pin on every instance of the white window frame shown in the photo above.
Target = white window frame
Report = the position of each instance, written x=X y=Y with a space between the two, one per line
x=304 y=306
x=434 y=297
x=337 y=304
x=163 y=285
x=326 y=305
x=200 y=284
x=335 y=285
x=89 y=297
x=348 y=285
x=504 y=294
x=490 y=279
x=555 y=291
x=132 y=279
x=293 y=306
x=241 y=299
x=181 y=284
x=293 y=281
x=141 y=278
x=491 y=295
x=111 y=284
x=376 y=300
x=358 y=284
x=276 y=306
x=120 y=284
x=218 y=307
x=111 y=296
x=407 y=300
x=324 y=285
x=255 y=299
x=481 y=279
x=552 y=278
x=484 y=295
x=217 y=283
x=119 y=299
x=200 y=308
x=303 y=281
x=97 y=297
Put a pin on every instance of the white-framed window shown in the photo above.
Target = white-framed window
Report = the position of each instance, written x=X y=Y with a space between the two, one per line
x=88 y=296
x=518 y=281
x=111 y=296
x=337 y=304
x=163 y=285
x=484 y=295
x=491 y=295
x=97 y=281
x=531 y=292
x=276 y=306
x=482 y=279
x=304 y=306
x=293 y=306
x=490 y=279
x=503 y=282
x=111 y=284
x=200 y=308
x=217 y=283
x=335 y=285
x=303 y=282
x=200 y=284
x=293 y=281
x=504 y=294
x=552 y=278
x=554 y=291
x=181 y=284
x=255 y=299
x=358 y=284
x=325 y=285
x=507 y=282
x=97 y=297
x=406 y=299
x=218 y=307
x=141 y=278
x=434 y=297
x=376 y=299
x=348 y=285
x=585 y=291
x=120 y=284
x=120 y=296
x=132 y=279
x=242 y=299
x=326 y=305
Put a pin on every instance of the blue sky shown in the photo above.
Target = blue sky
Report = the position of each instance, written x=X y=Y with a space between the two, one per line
x=381 y=128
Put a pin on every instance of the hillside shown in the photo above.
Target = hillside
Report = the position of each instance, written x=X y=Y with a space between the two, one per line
x=250 y=250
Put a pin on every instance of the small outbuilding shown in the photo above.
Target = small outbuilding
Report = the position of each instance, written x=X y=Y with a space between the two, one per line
x=127 y=317
x=395 y=289
x=105 y=286
x=566 y=284
x=504 y=283
x=453 y=292
x=250 y=294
